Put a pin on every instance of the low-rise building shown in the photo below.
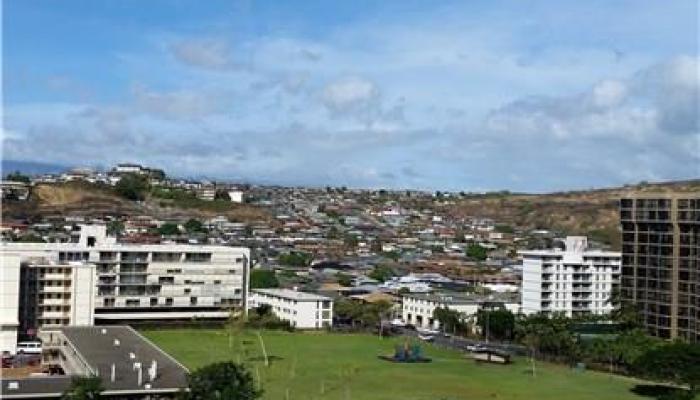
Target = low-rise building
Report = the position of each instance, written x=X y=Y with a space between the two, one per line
x=302 y=310
x=419 y=309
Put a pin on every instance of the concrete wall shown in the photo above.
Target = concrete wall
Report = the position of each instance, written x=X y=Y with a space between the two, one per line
x=9 y=301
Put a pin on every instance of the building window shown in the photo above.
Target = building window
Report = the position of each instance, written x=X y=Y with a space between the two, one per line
x=193 y=301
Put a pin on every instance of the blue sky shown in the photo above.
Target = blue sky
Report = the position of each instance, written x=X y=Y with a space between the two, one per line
x=478 y=95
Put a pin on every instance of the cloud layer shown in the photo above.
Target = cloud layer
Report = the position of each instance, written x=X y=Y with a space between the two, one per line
x=441 y=102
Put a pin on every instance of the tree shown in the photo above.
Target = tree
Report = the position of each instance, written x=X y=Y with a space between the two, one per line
x=262 y=278
x=17 y=177
x=193 y=225
x=450 y=320
x=168 y=229
x=344 y=280
x=497 y=324
x=296 y=259
x=676 y=362
x=350 y=241
x=84 y=388
x=222 y=195
x=477 y=252
x=381 y=273
x=223 y=380
x=30 y=238
x=115 y=228
x=364 y=315
x=132 y=187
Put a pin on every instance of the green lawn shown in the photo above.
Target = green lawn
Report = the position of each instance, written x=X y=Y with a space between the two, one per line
x=345 y=367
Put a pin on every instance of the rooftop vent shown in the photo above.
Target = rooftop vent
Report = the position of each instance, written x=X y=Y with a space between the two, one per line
x=104 y=331
x=116 y=343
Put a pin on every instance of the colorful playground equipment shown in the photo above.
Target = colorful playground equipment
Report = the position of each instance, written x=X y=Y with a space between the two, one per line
x=405 y=353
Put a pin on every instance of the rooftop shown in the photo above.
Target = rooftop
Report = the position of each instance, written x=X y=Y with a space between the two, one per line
x=457 y=298
x=97 y=347
x=292 y=294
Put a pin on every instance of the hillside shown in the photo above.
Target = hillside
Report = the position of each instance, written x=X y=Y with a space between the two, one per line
x=92 y=200
x=593 y=213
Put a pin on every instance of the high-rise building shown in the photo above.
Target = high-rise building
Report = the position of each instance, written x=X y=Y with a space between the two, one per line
x=661 y=262
x=575 y=280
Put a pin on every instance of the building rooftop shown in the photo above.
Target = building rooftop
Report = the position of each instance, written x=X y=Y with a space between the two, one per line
x=292 y=294
x=98 y=347
x=465 y=298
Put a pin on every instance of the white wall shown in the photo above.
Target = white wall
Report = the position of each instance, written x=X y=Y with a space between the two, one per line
x=302 y=314
x=9 y=301
x=83 y=295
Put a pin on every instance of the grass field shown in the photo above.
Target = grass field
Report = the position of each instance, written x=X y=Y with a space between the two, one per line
x=345 y=367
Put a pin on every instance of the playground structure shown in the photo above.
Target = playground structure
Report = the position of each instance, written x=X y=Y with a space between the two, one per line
x=405 y=353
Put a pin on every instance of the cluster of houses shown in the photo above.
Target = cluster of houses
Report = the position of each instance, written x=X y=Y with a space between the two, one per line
x=203 y=189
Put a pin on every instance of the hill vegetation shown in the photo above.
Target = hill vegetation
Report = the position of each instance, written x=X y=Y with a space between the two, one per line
x=81 y=198
x=588 y=212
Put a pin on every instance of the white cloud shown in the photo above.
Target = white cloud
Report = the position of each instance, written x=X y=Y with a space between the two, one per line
x=180 y=104
x=657 y=101
x=212 y=54
x=350 y=94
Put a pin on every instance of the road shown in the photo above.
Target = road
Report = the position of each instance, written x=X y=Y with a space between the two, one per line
x=460 y=343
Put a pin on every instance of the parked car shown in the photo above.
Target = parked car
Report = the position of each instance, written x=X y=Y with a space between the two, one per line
x=427 y=338
x=29 y=348
x=476 y=347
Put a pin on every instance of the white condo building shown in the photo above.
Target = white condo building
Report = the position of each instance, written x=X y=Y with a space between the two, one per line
x=302 y=310
x=130 y=282
x=575 y=280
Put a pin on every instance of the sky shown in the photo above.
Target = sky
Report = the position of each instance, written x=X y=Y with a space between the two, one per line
x=529 y=96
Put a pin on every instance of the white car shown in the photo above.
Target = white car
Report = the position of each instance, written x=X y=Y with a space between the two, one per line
x=29 y=348
x=398 y=323
x=475 y=347
x=427 y=338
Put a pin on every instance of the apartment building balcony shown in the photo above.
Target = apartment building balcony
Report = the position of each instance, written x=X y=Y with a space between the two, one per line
x=54 y=302
x=133 y=269
x=107 y=280
x=581 y=286
x=581 y=296
x=132 y=279
x=106 y=271
x=55 y=276
x=108 y=257
x=106 y=291
x=54 y=314
x=134 y=257
x=55 y=289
